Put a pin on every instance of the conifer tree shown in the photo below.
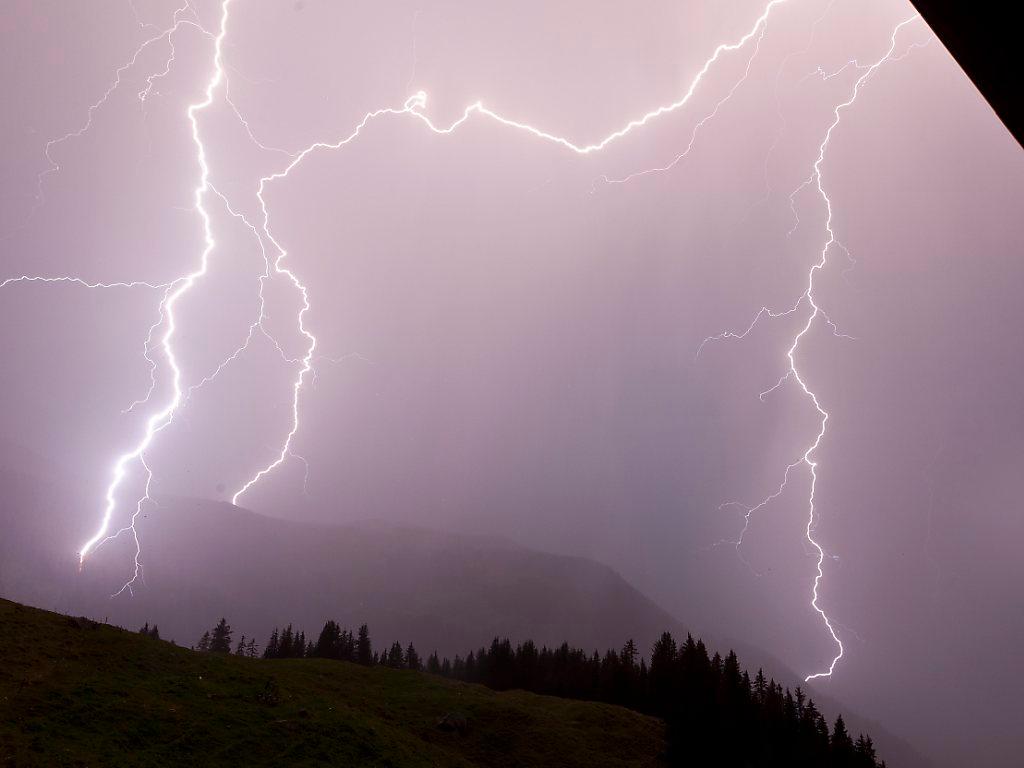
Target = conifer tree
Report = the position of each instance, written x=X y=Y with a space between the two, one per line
x=628 y=654
x=284 y=646
x=364 y=651
x=841 y=745
x=760 y=687
x=865 y=752
x=412 y=659
x=273 y=649
x=396 y=659
x=220 y=639
x=328 y=645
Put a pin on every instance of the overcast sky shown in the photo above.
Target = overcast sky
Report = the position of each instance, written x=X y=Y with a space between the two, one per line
x=507 y=342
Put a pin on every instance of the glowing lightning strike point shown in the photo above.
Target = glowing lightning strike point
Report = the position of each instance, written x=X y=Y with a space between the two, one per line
x=792 y=371
x=413 y=107
x=179 y=287
x=130 y=528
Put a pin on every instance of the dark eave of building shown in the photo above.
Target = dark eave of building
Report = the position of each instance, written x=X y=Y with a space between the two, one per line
x=987 y=43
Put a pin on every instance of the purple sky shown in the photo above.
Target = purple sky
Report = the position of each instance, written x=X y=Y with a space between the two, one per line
x=506 y=343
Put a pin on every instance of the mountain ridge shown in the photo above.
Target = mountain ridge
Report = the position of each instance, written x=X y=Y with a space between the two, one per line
x=450 y=592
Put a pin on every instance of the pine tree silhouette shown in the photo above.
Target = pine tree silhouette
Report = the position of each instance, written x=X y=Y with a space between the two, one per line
x=412 y=659
x=395 y=658
x=273 y=649
x=220 y=638
x=364 y=651
x=714 y=712
x=841 y=745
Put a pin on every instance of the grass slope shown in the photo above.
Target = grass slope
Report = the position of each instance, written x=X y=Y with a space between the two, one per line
x=77 y=693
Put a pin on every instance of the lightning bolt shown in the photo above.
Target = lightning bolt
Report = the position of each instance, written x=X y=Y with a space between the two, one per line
x=413 y=107
x=159 y=420
x=807 y=298
x=178 y=20
x=276 y=261
x=781 y=127
x=759 y=29
x=173 y=291
x=81 y=282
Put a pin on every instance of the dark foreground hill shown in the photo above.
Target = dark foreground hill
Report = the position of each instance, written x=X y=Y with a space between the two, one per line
x=73 y=693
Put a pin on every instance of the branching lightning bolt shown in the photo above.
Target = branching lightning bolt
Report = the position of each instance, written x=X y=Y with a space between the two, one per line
x=414 y=107
x=275 y=265
x=759 y=29
x=159 y=420
x=81 y=282
x=793 y=372
x=178 y=21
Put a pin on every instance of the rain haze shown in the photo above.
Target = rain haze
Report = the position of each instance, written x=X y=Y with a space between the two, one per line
x=507 y=329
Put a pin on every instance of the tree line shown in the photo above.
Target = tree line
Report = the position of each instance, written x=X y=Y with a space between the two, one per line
x=712 y=708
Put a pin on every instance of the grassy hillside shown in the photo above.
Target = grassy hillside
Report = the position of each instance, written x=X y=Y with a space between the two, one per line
x=77 y=693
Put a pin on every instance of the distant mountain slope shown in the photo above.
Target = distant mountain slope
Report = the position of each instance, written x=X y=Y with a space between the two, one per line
x=74 y=693
x=442 y=591
x=449 y=592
